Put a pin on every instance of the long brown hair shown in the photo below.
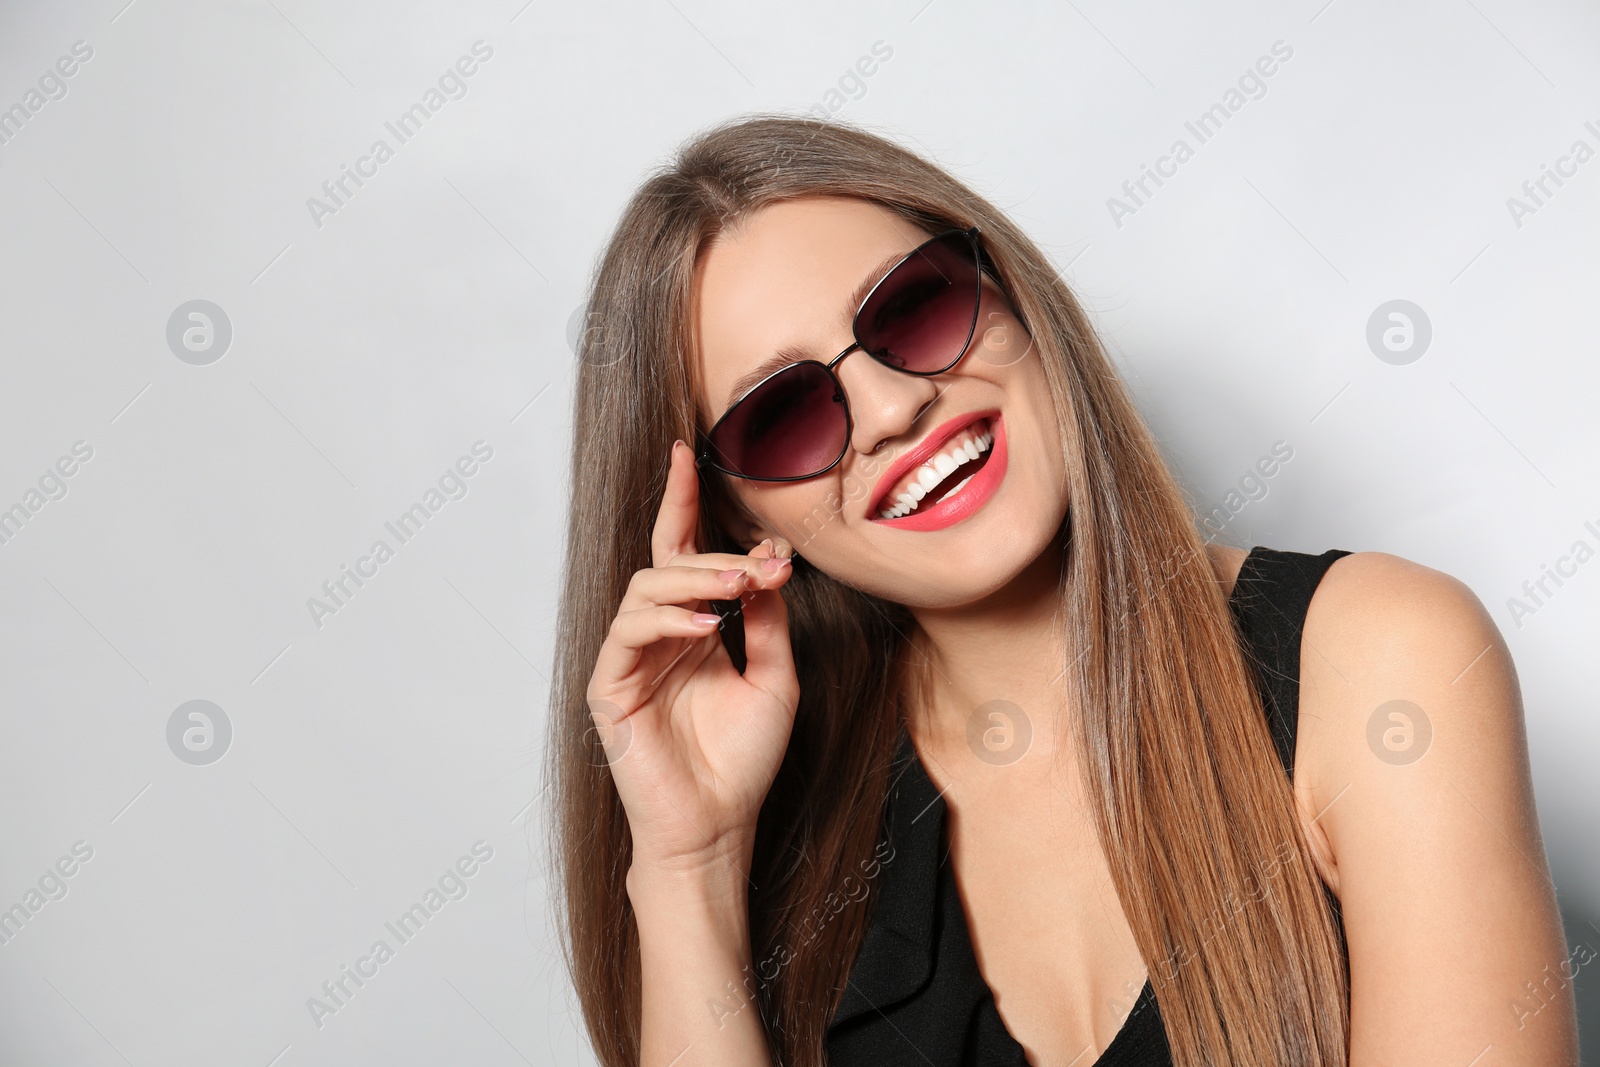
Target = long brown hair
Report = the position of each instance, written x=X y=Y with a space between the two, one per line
x=1190 y=802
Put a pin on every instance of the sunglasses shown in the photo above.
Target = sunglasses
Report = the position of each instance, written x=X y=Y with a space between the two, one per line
x=919 y=319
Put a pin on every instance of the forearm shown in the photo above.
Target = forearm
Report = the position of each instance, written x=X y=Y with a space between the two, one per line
x=698 y=1005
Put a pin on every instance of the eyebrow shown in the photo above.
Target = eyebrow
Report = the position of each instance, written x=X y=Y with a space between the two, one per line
x=795 y=354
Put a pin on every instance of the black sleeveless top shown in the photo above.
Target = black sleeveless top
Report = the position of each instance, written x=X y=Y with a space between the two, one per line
x=915 y=995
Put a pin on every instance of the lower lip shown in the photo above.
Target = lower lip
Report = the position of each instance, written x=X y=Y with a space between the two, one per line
x=976 y=493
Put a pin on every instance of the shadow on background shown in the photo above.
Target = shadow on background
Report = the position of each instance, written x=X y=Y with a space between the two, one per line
x=1584 y=930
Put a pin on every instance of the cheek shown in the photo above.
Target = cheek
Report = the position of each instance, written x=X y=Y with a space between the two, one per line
x=1034 y=435
x=855 y=486
x=1001 y=340
x=805 y=512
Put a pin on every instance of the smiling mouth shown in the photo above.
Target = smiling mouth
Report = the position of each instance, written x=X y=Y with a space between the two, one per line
x=958 y=460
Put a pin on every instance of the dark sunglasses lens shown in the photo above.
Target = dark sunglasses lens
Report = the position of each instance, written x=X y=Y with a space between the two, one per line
x=921 y=316
x=793 y=425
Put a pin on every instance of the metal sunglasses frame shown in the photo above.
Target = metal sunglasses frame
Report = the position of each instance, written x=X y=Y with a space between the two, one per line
x=840 y=396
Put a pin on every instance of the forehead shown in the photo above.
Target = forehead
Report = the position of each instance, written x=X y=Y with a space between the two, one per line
x=783 y=280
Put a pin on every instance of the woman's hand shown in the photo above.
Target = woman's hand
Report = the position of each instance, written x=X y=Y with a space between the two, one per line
x=694 y=745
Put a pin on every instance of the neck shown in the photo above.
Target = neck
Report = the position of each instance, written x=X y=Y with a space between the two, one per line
x=1001 y=648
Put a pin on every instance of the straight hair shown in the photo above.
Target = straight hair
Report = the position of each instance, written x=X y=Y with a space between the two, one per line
x=1188 y=798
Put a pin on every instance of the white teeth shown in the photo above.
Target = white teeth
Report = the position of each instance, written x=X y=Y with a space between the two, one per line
x=935 y=471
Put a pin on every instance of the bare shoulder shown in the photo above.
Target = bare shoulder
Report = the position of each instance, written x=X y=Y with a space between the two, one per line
x=1412 y=767
x=1391 y=652
x=1368 y=600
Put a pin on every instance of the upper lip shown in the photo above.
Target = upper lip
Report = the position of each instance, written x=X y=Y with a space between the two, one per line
x=925 y=450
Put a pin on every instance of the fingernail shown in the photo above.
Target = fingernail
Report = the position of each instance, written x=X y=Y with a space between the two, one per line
x=771 y=565
x=700 y=618
x=766 y=544
x=730 y=574
x=676 y=442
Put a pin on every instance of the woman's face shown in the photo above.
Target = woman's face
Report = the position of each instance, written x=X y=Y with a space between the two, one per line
x=784 y=279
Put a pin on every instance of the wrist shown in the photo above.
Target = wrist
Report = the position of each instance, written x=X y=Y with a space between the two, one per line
x=718 y=881
x=720 y=869
x=709 y=909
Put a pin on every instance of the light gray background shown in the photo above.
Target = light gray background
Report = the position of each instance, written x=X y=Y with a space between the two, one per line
x=432 y=311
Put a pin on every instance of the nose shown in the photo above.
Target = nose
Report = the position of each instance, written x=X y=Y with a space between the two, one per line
x=884 y=403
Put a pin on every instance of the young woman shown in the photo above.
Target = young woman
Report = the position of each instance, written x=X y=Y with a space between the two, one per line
x=902 y=715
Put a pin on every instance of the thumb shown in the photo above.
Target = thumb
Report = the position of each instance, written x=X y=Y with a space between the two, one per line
x=769 y=659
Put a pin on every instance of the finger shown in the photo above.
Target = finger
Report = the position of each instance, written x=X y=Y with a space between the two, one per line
x=634 y=632
x=681 y=584
x=646 y=626
x=769 y=564
x=769 y=659
x=769 y=573
x=721 y=561
x=678 y=517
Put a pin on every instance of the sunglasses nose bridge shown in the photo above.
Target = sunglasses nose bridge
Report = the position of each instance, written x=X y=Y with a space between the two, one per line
x=883 y=420
x=839 y=396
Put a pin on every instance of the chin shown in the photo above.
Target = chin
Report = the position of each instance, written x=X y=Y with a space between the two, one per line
x=969 y=573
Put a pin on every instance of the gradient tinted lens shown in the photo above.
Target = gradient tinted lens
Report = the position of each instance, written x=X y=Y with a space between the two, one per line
x=921 y=316
x=791 y=426
x=919 y=319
